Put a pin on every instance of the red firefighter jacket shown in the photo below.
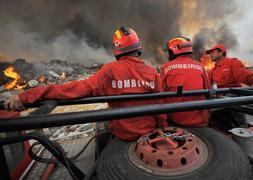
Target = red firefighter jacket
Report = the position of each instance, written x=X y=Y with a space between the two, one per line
x=8 y=114
x=192 y=76
x=126 y=76
x=230 y=72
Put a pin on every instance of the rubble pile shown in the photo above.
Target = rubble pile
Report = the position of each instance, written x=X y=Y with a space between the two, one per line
x=72 y=131
x=42 y=73
x=51 y=70
x=54 y=72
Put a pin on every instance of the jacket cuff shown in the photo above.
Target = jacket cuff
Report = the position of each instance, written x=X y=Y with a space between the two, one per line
x=23 y=98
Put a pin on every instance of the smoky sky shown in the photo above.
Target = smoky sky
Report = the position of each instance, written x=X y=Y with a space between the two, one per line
x=207 y=37
x=82 y=30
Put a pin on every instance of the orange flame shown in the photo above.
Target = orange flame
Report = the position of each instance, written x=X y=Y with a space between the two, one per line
x=41 y=78
x=63 y=76
x=207 y=62
x=15 y=83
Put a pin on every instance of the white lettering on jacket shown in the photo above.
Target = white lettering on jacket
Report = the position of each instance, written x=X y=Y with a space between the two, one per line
x=132 y=83
x=183 y=66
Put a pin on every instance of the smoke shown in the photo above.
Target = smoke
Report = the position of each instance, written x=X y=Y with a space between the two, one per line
x=81 y=31
x=207 y=37
x=209 y=23
x=241 y=26
x=20 y=42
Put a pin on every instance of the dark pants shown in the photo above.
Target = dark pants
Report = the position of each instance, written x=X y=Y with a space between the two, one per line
x=228 y=118
x=103 y=138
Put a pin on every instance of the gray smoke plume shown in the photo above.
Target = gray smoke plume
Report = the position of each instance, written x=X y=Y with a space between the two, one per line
x=206 y=38
x=81 y=31
x=217 y=30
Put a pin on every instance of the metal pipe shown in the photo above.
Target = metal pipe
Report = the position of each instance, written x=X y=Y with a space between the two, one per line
x=100 y=99
x=31 y=164
x=34 y=122
x=244 y=92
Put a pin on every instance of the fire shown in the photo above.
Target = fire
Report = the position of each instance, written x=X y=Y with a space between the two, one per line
x=207 y=62
x=16 y=83
x=63 y=76
x=42 y=78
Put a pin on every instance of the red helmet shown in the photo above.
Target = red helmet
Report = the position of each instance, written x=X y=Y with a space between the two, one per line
x=125 y=40
x=178 y=45
x=217 y=46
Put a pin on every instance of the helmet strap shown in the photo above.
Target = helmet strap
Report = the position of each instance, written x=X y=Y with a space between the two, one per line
x=135 y=53
x=171 y=55
x=118 y=57
x=139 y=52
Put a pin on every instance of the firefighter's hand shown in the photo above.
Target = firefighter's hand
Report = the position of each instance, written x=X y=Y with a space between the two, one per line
x=13 y=104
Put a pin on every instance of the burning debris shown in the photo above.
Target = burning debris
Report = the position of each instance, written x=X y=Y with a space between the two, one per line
x=17 y=82
x=62 y=76
x=21 y=74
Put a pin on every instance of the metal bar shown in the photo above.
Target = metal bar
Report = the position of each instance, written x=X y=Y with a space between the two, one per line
x=4 y=171
x=31 y=164
x=100 y=99
x=244 y=92
x=34 y=122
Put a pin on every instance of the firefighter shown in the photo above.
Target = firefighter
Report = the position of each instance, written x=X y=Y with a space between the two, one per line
x=227 y=73
x=128 y=74
x=182 y=70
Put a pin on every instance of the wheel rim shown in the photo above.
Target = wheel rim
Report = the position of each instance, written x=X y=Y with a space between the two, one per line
x=168 y=152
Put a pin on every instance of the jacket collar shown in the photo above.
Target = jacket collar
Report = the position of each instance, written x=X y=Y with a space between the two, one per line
x=131 y=58
x=221 y=62
x=180 y=58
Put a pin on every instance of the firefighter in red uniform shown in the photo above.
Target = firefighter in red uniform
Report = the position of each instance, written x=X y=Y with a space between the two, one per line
x=129 y=74
x=228 y=72
x=182 y=70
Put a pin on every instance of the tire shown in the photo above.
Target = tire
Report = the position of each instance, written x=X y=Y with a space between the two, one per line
x=226 y=161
